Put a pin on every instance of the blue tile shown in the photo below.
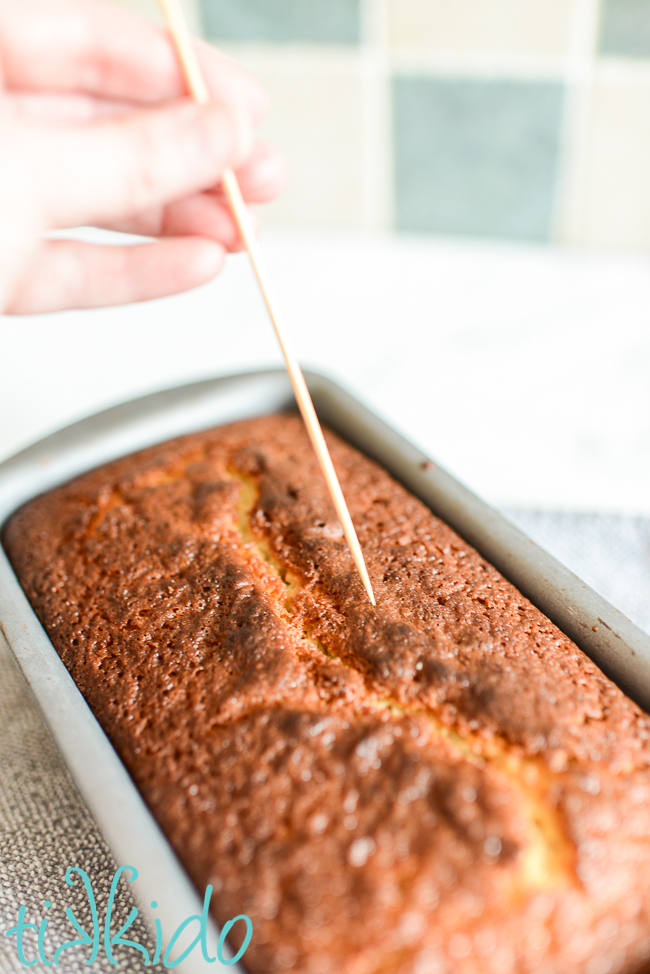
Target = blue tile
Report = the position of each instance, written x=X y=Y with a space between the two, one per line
x=625 y=28
x=319 y=21
x=476 y=157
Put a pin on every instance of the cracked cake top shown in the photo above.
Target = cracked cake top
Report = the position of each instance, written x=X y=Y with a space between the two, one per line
x=443 y=783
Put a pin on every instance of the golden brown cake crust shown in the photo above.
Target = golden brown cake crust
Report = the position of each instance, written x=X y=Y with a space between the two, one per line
x=442 y=785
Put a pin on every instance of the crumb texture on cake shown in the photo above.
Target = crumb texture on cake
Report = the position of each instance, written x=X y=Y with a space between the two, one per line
x=442 y=785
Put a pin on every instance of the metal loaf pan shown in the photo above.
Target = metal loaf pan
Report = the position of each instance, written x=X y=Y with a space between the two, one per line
x=620 y=648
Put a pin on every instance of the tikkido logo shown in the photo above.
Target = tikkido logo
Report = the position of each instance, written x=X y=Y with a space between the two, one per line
x=117 y=939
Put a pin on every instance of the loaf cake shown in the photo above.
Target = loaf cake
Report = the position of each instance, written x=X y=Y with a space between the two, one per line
x=443 y=784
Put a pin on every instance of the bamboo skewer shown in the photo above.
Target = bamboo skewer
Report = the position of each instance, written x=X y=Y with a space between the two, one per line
x=198 y=89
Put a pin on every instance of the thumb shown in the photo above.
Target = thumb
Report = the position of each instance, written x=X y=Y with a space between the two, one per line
x=112 y=169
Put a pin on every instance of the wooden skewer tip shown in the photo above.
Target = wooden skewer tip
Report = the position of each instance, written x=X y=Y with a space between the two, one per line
x=196 y=84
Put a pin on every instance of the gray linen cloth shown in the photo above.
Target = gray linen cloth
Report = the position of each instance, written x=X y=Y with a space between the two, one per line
x=45 y=827
x=610 y=553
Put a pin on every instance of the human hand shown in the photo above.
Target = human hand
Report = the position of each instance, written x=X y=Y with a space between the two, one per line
x=96 y=129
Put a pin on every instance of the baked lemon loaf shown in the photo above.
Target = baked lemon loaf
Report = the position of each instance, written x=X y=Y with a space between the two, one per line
x=442 y=785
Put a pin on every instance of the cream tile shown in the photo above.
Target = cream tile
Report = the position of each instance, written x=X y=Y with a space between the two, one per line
x=317 y=119
x=151 y=10
x=148 y=8
x=617 y=191
x=536 y=27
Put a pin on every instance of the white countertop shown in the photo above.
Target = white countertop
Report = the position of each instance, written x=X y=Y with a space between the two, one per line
x=523 y=370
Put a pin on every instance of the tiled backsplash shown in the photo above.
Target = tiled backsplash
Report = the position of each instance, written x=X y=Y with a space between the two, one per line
x=625 y=29
x=282 y=21
x=517 y=119
x=475 y=155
